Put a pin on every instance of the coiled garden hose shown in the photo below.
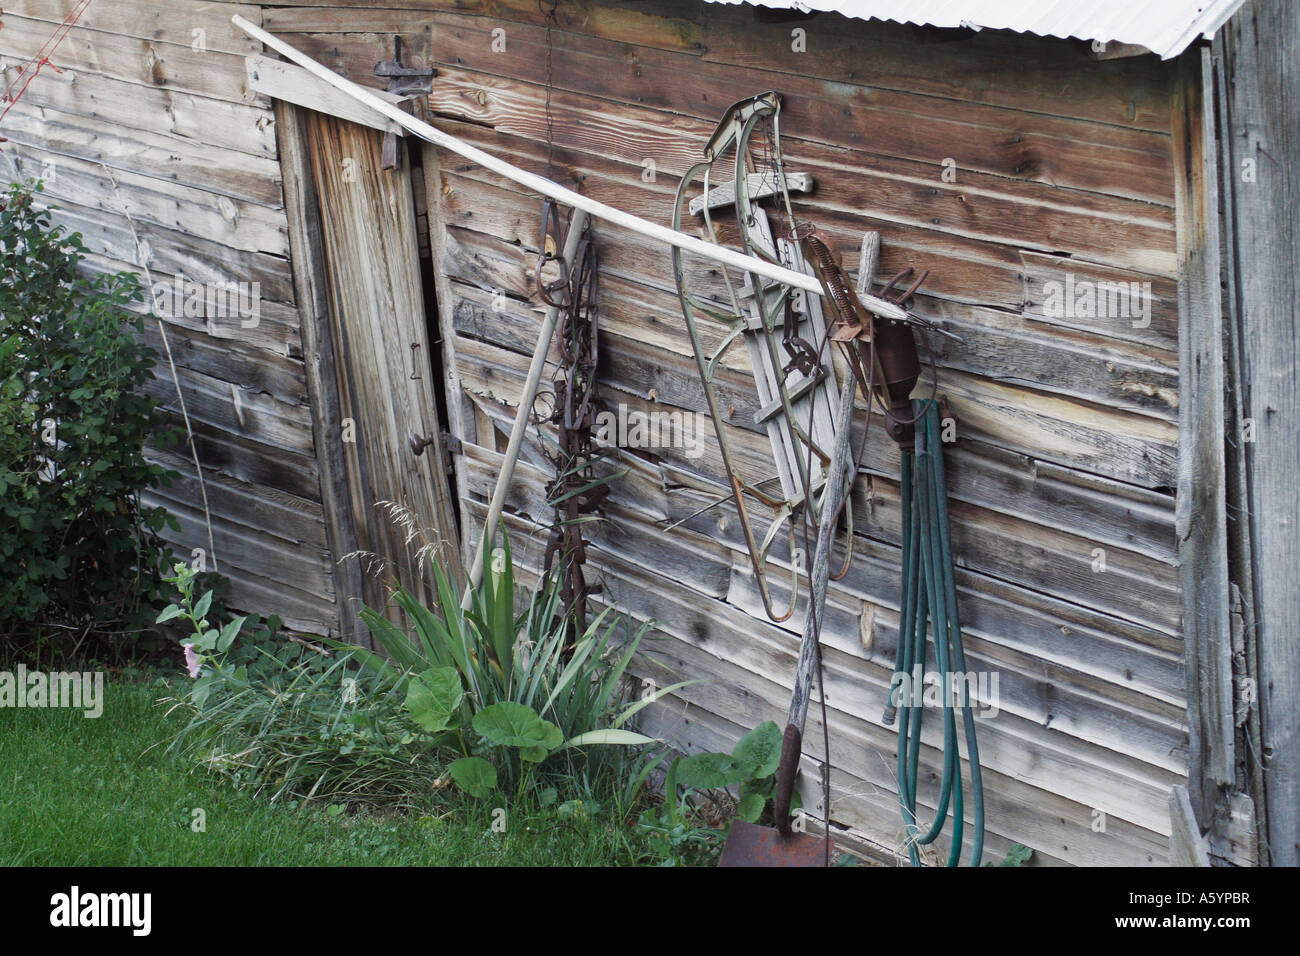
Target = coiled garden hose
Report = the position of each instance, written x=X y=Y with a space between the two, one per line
x=929 y=597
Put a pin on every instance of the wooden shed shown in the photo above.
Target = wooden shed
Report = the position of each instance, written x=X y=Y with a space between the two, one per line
x=1123 y=499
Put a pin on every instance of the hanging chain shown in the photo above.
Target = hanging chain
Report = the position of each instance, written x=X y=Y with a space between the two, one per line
x=576 y=494
x=548 y=8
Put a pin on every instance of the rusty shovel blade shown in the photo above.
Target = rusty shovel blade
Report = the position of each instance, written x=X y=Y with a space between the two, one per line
x=748 y=844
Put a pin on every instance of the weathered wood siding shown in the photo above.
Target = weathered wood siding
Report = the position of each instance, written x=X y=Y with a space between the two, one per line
x=1068 y=436
x=1068 y=426
x=154 y=149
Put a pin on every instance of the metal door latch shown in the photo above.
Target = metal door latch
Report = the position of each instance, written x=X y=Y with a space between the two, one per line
x=403 y=80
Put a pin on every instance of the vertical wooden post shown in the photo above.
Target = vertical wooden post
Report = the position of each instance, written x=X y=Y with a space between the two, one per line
x=453 y=394
x=1262 y=127
x=1200 y=510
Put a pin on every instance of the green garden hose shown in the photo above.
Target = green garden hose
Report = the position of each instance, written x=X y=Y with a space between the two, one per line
x=929 y=597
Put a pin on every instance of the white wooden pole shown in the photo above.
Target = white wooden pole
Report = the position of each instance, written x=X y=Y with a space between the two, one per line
x=554 y=190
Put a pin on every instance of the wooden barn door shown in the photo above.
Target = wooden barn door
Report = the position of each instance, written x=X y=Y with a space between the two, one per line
x=373 y=355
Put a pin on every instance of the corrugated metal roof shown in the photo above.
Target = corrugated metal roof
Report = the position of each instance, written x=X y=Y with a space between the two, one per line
x=1165 y=27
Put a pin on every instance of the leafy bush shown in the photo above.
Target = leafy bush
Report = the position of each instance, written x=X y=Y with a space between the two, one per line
x=1017 y=855
x=678 y=830
x=506 y=692
x=751 y=766
x=79 y=555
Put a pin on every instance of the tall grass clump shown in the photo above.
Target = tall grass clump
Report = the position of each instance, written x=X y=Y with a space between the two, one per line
x=287 y=720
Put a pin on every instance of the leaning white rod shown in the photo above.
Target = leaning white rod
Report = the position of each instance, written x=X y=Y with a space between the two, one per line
x=576 y=226
x=554 y=190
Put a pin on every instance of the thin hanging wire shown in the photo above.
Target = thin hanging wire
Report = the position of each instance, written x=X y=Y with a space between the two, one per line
x=548 y=8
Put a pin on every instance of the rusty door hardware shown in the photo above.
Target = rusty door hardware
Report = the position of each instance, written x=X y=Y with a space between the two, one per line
x=450 y=446
x=403 y=80
x=419 y=444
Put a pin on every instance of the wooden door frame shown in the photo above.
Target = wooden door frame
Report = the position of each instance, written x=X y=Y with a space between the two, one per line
x=311 y=283
x=306 y=246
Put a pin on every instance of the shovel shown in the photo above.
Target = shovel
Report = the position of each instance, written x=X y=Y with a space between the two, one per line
x=747 y=843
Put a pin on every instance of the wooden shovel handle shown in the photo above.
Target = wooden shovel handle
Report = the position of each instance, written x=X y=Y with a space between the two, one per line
x=791 y=751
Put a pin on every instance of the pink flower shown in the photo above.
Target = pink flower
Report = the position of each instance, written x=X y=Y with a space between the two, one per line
x=192 y=660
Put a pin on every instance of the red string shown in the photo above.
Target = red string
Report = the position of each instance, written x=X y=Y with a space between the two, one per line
x=29 y=70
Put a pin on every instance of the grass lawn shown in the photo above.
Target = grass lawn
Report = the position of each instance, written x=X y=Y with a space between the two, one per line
x=98 y=792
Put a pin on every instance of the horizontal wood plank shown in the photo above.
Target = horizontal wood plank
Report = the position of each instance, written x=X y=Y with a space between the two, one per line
x=197 y=24
x=91 y=53
x=234 y=224
x=156 y=109
x=238 y=175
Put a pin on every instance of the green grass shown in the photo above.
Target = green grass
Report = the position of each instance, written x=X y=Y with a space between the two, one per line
x=99 y=792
